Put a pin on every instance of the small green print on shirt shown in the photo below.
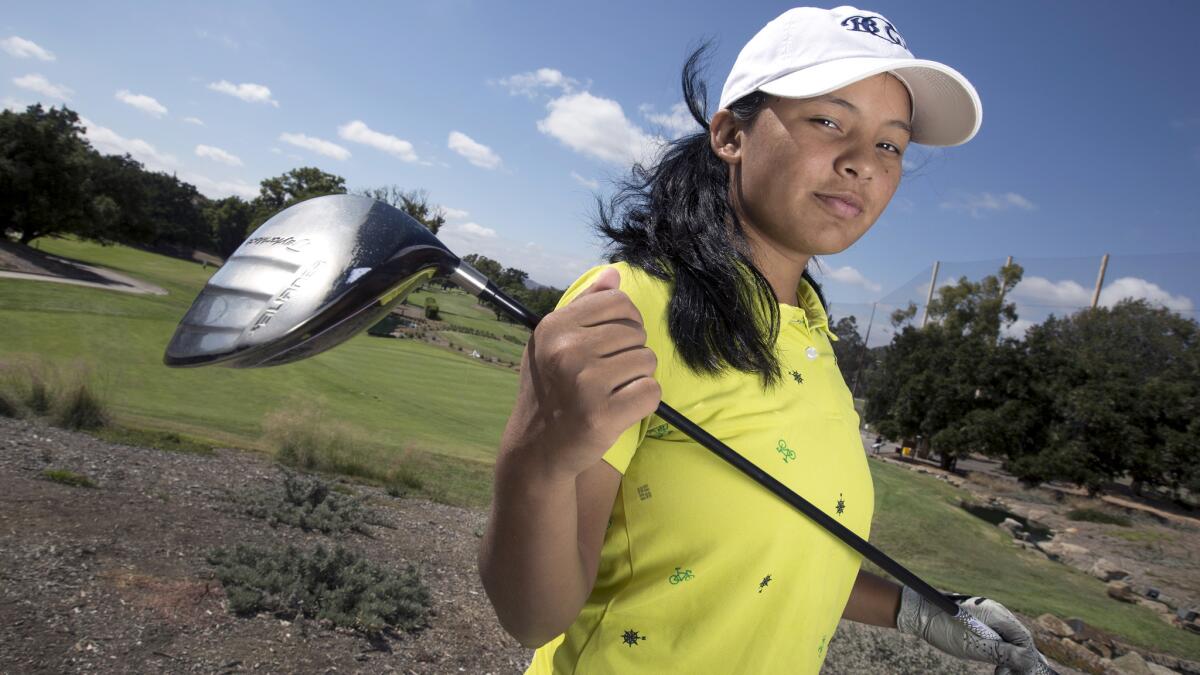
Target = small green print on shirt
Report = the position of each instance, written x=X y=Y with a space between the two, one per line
x=787 y=453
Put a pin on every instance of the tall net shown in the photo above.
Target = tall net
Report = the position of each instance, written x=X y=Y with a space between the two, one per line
x=1049 y=286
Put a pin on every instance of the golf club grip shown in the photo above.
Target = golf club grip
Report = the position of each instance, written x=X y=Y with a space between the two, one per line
x=517 y=311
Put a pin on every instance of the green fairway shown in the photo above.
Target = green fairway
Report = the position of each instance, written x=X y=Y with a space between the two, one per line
x=406 y=395
x=919 y=524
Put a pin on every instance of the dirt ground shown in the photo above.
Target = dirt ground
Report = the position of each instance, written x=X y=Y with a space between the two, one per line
x=114 y=578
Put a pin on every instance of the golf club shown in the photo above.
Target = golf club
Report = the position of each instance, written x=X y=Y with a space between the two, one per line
x=321 y=271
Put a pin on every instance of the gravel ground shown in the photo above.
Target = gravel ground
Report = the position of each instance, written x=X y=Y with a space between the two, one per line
x=114 y=579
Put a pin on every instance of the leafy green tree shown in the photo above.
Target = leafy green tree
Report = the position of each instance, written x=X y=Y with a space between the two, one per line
x=120 y=208
x=1124 y=391
x=280 y=192
x=229 y=223
x=176 y=210
x=849 y=350
x=939 y=382
x=45 y=173
x=413 y=202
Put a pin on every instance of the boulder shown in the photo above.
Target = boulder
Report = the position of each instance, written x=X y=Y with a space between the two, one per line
x=1055 y=625
x=1107 y=571
x=1132 y=664
x=1063 y=551
x=1013 y=527
x=1119 y=590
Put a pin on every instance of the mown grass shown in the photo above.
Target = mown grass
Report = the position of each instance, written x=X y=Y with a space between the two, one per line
x=918 y=523
x=416 y=399
x=1098 y=516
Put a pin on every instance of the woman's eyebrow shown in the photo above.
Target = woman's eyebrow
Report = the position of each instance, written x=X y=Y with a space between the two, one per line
x=854 y=109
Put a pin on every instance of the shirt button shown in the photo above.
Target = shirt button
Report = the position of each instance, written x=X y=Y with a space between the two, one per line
x=811 y=352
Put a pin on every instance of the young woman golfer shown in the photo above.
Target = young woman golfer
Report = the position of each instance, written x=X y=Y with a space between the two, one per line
x=616 y=544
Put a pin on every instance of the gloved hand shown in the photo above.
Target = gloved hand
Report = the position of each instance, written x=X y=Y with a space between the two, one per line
x=1014 y=654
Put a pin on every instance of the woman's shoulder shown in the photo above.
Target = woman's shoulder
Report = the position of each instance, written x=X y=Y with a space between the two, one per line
x=644 y=289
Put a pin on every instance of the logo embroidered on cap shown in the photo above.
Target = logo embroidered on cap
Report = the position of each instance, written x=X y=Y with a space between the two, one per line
x=870 y=25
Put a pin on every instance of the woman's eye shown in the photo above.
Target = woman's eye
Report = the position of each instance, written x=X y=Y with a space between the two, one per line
x=830 y=124
x=891 y=148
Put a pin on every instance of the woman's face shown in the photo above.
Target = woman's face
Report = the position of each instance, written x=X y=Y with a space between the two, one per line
x=813 y=175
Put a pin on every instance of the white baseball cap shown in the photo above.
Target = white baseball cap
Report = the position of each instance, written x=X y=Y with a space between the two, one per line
x=808 y=52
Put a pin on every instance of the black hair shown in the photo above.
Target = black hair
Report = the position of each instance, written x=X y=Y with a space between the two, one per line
x=673 y=219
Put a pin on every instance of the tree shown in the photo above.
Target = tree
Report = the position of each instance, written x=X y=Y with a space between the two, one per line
x=849 y=350
x=45 y=172
x=229 y=222
x=120 y=206
x=176 y=210
x=1123 y=386
x=941 y=382
x=280 y=192
x=413 y=202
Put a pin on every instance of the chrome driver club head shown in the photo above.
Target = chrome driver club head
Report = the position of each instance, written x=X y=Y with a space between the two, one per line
x=311 y=277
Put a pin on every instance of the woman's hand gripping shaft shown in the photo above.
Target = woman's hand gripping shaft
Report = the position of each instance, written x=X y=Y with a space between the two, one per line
x=984 y=630
x=586 y=377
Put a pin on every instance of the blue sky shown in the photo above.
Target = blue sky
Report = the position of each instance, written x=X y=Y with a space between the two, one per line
x=511 y=114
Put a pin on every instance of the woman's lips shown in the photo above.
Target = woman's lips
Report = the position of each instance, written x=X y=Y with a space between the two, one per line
x=841 y=207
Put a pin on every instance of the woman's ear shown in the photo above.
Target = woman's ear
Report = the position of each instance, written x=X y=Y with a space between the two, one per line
x=725 y=137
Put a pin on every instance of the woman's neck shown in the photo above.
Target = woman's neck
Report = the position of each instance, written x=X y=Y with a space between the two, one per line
x=783 y=269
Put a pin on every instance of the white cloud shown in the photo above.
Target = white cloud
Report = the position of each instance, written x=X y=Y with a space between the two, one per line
x=588 y=183
x=194 y=120
x=848 y=275
x=1016 y=329
x=1042 y=291
x=216 y=189
x=25 y=49
x=1140 y=289
x=146 y=104
x=678 y=122
x=476 y=153
x=247 y=91
x=468 y=231
x=598 y=127
x=39 y=84
x=1070 y=294
x=358 y=132
x=532 y=83
x=977 y=204
x=454 y=214
x=13 y=104
x=108 y=142
x=317 y=145
x=217 y=155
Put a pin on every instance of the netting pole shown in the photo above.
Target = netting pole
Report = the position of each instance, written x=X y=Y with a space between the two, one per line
x=1099 y=280
x=929 y=298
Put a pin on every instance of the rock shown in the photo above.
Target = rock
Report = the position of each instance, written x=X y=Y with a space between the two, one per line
x=1013 y=527
x=1073 y=655
x=1132 y=664
x=1104 y=570
x=1055 y=625
x=1159 y=670
x=1063 y=551
x=1119 y=590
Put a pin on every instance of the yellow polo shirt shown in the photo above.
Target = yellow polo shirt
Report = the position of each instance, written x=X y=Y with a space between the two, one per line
x=702 y=569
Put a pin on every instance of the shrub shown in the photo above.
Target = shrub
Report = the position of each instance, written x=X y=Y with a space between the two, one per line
x=310 y=503
x=1098 y=516
x=304 y=438
x=159 y=440
x=8 y=407
x=338 y=586
x=403 y=481
x=68 y=478
x=80 y=409
x=38 y=398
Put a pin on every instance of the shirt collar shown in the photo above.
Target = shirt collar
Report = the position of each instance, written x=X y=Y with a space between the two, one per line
x=810 y=313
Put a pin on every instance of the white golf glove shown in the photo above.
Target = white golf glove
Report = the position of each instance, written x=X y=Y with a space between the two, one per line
x=1014 y=654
